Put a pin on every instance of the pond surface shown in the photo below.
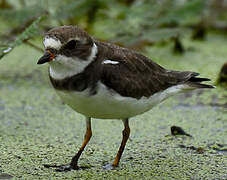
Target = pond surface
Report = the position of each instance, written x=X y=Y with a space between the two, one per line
x=36 y=128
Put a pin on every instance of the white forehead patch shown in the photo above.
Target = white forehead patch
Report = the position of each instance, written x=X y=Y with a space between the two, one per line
x=52 y=43
x=110 y=62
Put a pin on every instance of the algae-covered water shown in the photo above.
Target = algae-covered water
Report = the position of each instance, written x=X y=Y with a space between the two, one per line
x=36 y=128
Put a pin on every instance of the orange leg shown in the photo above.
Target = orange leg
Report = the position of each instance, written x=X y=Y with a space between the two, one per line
x=125 y=133
x=87 y=138
x=74 y=162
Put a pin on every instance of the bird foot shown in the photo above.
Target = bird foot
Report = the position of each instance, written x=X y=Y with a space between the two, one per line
x=65 y=167
x=109 y=167
x=62 y=168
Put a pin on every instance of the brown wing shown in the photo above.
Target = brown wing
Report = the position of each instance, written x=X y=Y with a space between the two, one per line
x=137 y=76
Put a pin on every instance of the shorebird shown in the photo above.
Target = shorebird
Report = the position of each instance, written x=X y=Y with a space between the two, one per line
x=105 y=81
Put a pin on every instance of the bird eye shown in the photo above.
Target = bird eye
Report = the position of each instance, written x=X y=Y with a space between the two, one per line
x=71 y=44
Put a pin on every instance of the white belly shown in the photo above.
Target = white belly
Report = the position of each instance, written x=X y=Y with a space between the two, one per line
x=106 y=104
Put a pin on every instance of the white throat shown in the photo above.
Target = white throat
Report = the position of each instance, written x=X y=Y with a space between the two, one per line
x=63 y=66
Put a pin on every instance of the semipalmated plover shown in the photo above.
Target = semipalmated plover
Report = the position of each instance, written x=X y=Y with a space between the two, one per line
x=105 y=81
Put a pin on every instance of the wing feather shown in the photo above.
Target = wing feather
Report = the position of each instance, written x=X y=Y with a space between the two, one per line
x=136 y=75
